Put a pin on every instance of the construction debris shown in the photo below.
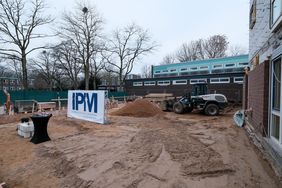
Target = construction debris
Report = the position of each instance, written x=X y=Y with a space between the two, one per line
x=138 y=108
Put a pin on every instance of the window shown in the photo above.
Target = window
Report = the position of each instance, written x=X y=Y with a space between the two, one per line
x=157 y=72
x=219 y=80
x=204 y=67
x=172 y=70
x=137 y=83
x=275 y=10
x=197 y=81
x=238 y=80
x=149 y=83
x=230 y=65
x=164 y=83
x=193 y=68
x=6 y=81
x=253 y=15
x=243 y=64
x=276 y=113
x=165 y=71
x=217 y=66
x=179 y=82
x=183 y=69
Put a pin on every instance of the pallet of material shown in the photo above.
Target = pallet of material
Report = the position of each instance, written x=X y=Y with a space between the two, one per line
x=158 y=96
x=46 y=106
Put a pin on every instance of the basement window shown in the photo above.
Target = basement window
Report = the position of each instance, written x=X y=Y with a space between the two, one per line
x=164 y=83
x=238 y=80
x=149 y=83
x=137 y=83
x=179 y=82
x=198 y=81
x=219 y=80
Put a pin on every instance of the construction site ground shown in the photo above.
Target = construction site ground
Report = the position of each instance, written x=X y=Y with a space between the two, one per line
x=167 y=151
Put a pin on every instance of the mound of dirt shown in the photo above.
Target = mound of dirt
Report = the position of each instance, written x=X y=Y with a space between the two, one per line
x=138 y=108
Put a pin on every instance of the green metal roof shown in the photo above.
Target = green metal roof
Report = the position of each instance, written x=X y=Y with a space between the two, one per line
x=225 y=60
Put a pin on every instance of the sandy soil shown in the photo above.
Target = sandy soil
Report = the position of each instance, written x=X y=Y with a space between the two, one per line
x=168 y=150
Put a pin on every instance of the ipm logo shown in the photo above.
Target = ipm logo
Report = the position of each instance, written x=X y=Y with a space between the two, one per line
x=89 y=101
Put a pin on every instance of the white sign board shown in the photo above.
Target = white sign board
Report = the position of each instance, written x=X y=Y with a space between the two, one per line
x=88 y=105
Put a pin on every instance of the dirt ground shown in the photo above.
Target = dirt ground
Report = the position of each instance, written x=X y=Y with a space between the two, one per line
x=167 y=150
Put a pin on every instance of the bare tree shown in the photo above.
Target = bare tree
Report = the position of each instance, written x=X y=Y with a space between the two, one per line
x=235 y=50
x=46 y=66
x=168 y=59
x=83 y=29
x=67 y=56
x=18 y=23
x=97 y=64
x=190 y=51
x=215 y=46
x=126 y=46
x=147 y=71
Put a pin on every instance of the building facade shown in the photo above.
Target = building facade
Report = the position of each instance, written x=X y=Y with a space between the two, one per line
x=262 y=88
x=9 y=84
x=223 y=75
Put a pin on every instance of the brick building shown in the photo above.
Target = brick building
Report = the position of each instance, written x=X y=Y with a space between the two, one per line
x=262 y=88
x=9 y=84
x=223 y=75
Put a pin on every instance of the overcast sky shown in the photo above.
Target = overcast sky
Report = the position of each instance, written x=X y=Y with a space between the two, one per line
x=171 y=22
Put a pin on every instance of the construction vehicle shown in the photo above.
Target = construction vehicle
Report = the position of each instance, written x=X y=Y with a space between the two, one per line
x=199 y=99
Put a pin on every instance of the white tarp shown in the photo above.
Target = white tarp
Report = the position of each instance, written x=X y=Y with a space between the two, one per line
x=88 y=105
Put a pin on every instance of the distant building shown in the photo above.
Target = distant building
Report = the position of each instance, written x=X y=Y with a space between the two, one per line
x=132 y=76
x=262 y=88
x=223 y=75
x=10 y=84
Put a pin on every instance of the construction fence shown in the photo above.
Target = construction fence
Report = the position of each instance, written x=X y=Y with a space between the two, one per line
x=46 y=96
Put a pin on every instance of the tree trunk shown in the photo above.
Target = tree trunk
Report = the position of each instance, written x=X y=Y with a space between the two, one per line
x=94 y=82
x=86 y=76
x=24 y=70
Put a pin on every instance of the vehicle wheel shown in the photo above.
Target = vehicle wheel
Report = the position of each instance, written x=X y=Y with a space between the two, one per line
x=178 y=108
x=189 y=109
x=211 y=110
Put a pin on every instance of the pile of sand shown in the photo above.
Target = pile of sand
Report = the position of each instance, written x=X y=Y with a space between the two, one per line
x=138 y=108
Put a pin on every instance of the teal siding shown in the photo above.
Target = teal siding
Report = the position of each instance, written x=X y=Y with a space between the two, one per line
x=165 y=69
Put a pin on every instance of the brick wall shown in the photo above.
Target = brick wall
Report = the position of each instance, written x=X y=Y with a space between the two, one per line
x=258 y=87
x=245 y=93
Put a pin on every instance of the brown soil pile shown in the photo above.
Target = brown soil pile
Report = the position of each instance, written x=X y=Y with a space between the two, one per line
x=138 y=108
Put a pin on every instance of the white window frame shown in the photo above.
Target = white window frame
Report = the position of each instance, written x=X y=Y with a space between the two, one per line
x=245 y=64
x=274 y=111
x=233 y=65
x=137 y=84
x=198 y=81
x=220 y=66
x=204 y=67
x=220 y=80
x=278 y=19
x=196 y=68
x=174 y=82
x=163 y=83
x=186 y=69
x=149 y=83
x=239 y=82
